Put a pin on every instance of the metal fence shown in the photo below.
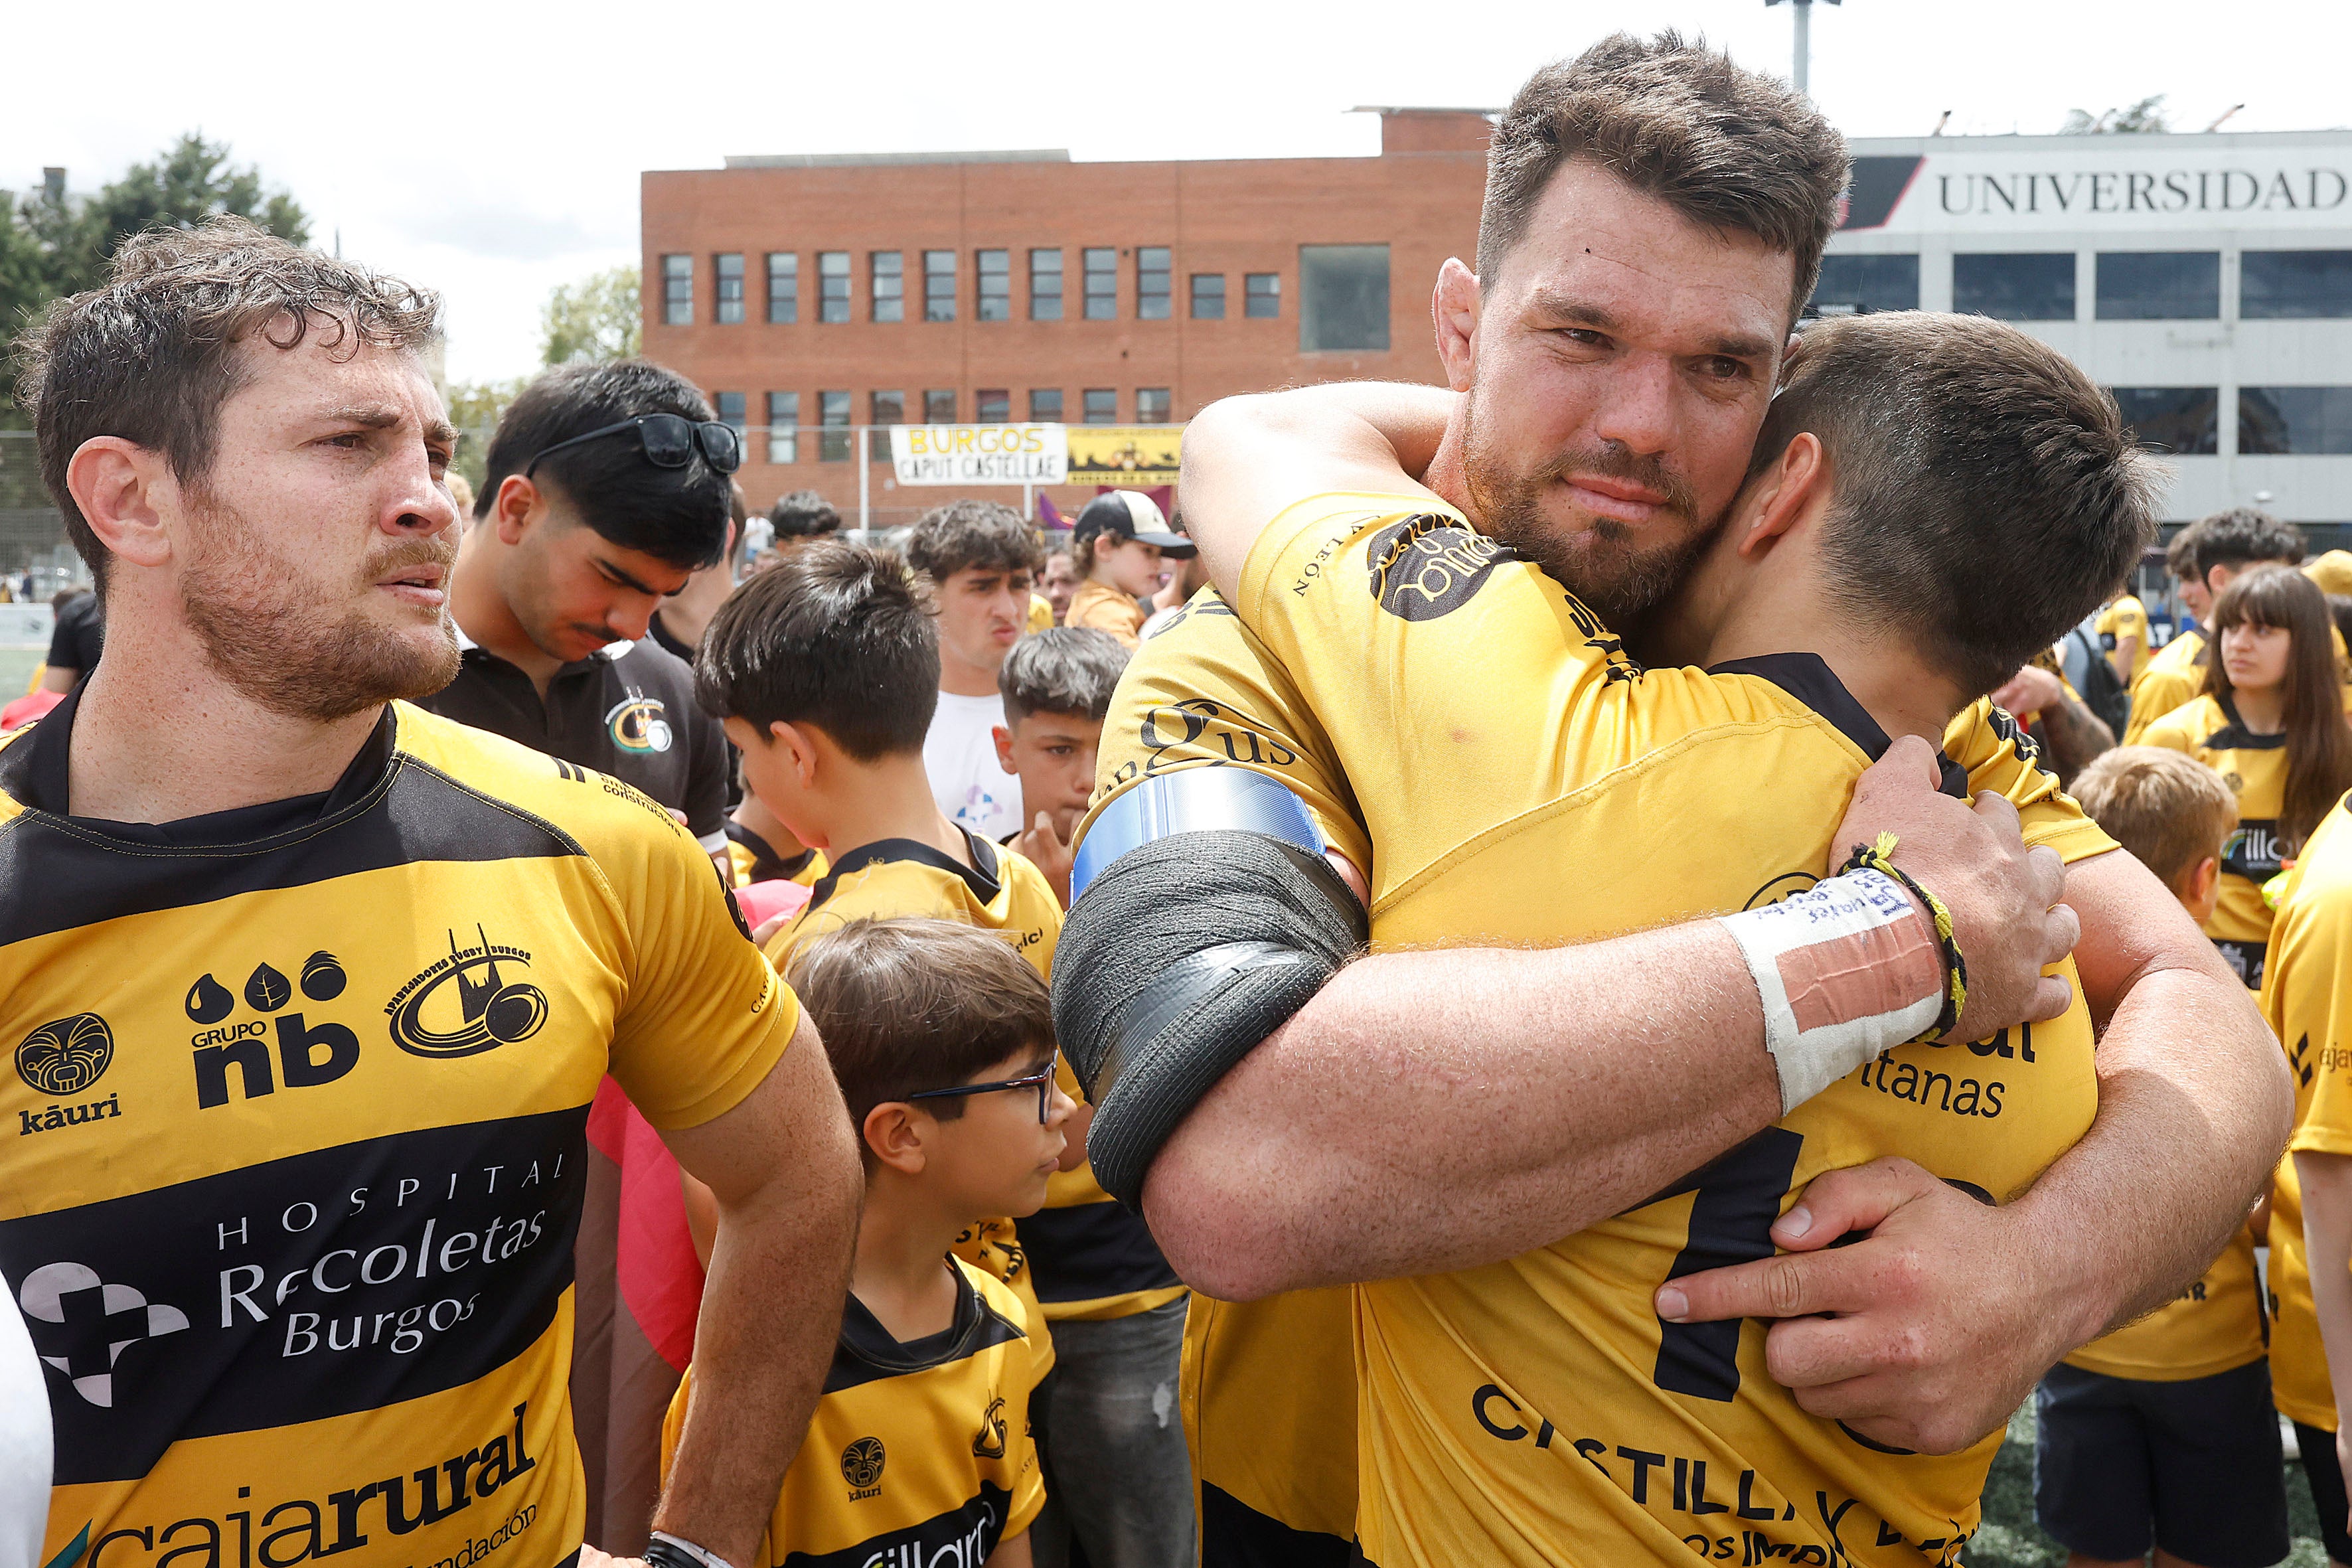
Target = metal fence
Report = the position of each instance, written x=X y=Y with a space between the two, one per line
x=32 y=534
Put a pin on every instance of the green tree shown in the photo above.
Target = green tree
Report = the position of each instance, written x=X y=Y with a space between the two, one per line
x=475 y=408
x=597 y=317
x=2147 y=115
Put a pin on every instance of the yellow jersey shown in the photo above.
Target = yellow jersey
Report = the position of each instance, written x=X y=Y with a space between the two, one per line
x=2215 y=1325
x=306 y=1289
x=2175 y=675
x=2308 y=999
x=1267 y=1389
x=2125 y=617
x=1041 y=615
x=2254 y=767
x=1535 y=1408
x=752 y=858
x=1106 y=609
x=919 y=1452
x=1081 y=1255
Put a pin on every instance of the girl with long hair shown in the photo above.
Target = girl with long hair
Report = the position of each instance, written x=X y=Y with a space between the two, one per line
x=2270 y=722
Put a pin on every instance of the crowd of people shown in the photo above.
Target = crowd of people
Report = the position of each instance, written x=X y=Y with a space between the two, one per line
x=1521 y=983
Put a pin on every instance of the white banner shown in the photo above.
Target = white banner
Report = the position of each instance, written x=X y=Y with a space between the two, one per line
x=980 y=454
x=2106 y=182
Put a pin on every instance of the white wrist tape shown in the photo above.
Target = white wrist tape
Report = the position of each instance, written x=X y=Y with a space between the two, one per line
x=1848 y=969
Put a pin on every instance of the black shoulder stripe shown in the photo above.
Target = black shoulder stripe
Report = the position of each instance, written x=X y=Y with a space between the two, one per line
x=1809 y=679
x=57 y=874
x=864 y=1353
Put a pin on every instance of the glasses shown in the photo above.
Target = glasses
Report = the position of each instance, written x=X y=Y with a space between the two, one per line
x=668 y=439
x=1042 y=1080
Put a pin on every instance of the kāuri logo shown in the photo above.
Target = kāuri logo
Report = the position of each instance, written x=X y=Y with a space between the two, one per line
x=465 y=1004
x=990 y=1442
x=81 y=1325
x=65 y=1056
x=1425 y=567
x=244 y=1044
x=639 y=723
x=861 y=1467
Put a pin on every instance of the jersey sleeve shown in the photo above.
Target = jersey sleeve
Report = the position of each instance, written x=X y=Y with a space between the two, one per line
x=2308 y=999
x=2162 y=690
x=704 y=1017
x=2172 y=732
x=2003 y=759
x=1028 y=1471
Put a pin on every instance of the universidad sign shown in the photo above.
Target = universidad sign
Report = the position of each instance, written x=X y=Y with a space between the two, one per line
x=1136 y=457
x=979 y=453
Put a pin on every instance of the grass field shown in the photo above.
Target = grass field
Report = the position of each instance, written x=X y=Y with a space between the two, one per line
x=16 y=667
x=2009 y=1540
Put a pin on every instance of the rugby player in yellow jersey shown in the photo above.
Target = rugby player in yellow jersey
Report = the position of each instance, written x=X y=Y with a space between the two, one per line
x=1308 y=1159
x=2223 y=545
x=324 y=985
x=2122 y=635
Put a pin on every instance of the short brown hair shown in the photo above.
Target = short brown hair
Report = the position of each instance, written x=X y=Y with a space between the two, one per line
x=1725 y=147
x=2180 y=555
x=2169 y=810
x=149 y=355
x=908 y=1004
x=1988 y=493
x=1062 y=669
x=946 y=539
x=835 y=635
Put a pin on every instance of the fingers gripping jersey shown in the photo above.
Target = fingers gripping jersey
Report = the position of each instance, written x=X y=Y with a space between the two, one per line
x=2254 y=767
x=1537 y=1410
x=2308 y=999
x=296 y=1136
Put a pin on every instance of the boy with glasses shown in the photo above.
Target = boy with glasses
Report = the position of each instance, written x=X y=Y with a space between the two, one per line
x=919 y=1450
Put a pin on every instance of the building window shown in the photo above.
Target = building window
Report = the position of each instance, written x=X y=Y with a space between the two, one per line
x=783 y=427
x=2294 y=285
x=2182 y=420
x=832 y=289
x=728 y=308
x=1262 y=296
x=1343 y=297
x=2300 y=421
x=677 y=290
x=1151 y=405
x=1044 y=285
x=938 y=285
x=993 y=405
x=887 y=272
x=1154 y=283
x=1044 y=406
x=731 y=411
x=833 y=419
x=883 y=409
x=996 y=285
x=1208 y=295
x=1862 y=285
x=2159 y=285
x=1102 y=283
x=784 y=287
x=1102 y=406
x=2027 y=287
x=938 y=407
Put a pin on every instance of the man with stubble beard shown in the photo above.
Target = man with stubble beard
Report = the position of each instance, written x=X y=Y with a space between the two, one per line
x=324 y=985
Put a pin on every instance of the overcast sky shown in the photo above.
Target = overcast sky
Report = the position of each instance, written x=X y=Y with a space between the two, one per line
x=492 y=150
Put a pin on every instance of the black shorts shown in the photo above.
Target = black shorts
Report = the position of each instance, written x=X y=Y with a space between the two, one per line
x=2193 y=1467
x=2327 y=1489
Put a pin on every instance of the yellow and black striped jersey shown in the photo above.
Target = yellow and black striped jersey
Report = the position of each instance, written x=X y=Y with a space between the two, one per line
x=1081 y=1255
x=1537 y=1409
x=1267 y=1387
x=2254 y=767
x=920 y=1452
x=2175 y=674
x=2308 y=999
x=297 y=1151
x=2125 y=617
x=753 y=860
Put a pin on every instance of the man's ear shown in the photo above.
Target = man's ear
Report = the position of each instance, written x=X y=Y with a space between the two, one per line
x=796 y=746
x=1454 y=310
x=2201 y=879
x=1004 y=739
x=894 y=1129
x=514 y=509
x=1791 y=490
x=125 y=491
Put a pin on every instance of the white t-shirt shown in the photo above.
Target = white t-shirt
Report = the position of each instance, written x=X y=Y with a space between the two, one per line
x=960 y=756
x=24 y=1444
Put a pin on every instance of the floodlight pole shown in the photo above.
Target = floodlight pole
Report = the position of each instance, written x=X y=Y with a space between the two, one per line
x=1802 y=70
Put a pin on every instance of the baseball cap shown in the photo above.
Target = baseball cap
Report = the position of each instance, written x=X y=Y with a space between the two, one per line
x=1131 y=514
x=2332 y=572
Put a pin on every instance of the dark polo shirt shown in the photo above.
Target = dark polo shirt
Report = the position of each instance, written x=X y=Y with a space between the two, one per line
x=627 y=711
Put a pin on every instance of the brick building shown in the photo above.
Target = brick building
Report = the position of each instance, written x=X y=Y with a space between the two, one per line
x=811 y=296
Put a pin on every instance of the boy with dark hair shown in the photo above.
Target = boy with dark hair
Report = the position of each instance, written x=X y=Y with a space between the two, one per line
x=2221 y=546
x=2163 y=1433
x=942 y=1041
x=803 y=514
x=1056 y=687
x=982 y=560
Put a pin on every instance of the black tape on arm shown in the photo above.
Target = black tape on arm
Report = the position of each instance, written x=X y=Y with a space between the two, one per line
x=1178 y=959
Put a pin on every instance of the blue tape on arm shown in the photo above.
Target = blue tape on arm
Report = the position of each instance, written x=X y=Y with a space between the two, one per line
x=1190 y=800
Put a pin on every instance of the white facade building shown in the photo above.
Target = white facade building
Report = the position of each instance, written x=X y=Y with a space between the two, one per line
x=2206 y=278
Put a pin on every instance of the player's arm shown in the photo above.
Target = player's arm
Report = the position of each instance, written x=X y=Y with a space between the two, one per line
x=2125 y=655
x=1247 y=458
x=2075 y=734
x=1011 y=1552
x=784 y=1172
x=1426 y=1111
x=58 y=678
x=1950 y=1310
x=2327 y=1181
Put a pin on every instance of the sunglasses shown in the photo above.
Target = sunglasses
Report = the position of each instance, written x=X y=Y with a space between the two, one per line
x=1042 y=1080
x=669 y=441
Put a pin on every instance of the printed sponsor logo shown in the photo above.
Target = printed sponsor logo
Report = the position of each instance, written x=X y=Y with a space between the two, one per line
x=861 y=1467
x=639 y=723
x=1425 y=567
x=990 y=1442
x=466 y=1004
x=65 y=1056
x=244 y=1044
x=81 y=1325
